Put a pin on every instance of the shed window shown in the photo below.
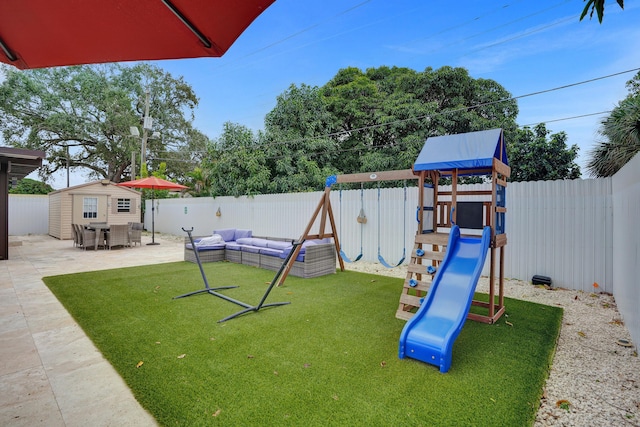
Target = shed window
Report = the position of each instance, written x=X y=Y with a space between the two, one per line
x=90 y=207
x=124 y=205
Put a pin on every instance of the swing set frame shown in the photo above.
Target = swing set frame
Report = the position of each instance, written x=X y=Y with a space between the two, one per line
x=443 y=214
x=327 y=225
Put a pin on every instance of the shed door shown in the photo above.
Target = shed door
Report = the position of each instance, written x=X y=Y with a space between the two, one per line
x=90 y=208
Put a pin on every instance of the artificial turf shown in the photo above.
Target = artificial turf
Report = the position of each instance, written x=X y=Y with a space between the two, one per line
x=328 y=358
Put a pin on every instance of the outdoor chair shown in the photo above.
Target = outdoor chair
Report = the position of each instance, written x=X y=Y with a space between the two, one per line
x=135 y=233
x=78 y=235
x=118 y=235
x=89 y=238
x=74 y=233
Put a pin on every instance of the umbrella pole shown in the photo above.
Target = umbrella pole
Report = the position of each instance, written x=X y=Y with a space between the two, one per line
x=153 y=219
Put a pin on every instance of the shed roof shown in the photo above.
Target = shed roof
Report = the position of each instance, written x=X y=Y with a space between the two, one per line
x=88 y=185
x=465 y=151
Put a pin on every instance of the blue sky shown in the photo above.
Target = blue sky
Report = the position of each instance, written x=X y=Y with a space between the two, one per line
x=526 y=46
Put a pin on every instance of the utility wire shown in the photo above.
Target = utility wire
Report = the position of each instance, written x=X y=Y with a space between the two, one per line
x=374 y=147
x=506 y=24
x=304 y=30
x=566 y=118
x=478 y=18
x=521 y=35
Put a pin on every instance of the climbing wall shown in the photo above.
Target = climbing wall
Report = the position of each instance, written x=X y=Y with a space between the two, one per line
x=428 y=251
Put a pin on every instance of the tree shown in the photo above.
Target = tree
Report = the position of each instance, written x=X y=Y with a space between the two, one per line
x=621 y=132
x=535 y=157
x=621 y=135
x=237 y=164
x=199 y=182
x=31 y=186
x=357 y=122
x=382 y=117
x=298 y=151
x=90 y=110
x=380 y=123
x=598 y=7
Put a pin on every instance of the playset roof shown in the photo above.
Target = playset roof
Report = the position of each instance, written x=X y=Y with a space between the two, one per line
x=467 y=151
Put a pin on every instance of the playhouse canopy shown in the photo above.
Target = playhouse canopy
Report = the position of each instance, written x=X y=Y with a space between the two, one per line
x=466 y=151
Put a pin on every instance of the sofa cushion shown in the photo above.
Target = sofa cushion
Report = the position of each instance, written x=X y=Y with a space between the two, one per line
x=316 y=242
x=270 y=252
x=227 y=234
x=200 y=248
x=209 y=240
x=253 y=241
x=232 y=246
x=300 y=256
x=240 y=233
x=280 y=245
x=303 y=249
x=286 y=251
x=249 y=248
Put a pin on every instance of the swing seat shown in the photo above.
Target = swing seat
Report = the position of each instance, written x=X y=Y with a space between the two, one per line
x=347 y=259
x=404 y=228
x=386 y=264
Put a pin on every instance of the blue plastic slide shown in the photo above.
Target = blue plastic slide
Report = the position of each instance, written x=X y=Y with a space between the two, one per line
x=429 y=335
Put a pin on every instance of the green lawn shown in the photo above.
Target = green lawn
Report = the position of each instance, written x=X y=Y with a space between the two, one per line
x=328 y=358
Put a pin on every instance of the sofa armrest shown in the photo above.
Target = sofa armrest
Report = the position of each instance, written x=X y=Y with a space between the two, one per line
x=321 y=250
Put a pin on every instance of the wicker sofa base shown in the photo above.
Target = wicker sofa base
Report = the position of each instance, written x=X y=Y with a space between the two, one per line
x=233 y=256
x=205 y=256
x=250 y=258
x=319 y=260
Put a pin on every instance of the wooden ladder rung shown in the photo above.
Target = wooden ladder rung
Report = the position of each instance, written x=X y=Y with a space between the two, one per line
x=440 y=239
x=404 y=315
x=421 y=286
x=430 y=255
x=418 y=269
x=410 y=300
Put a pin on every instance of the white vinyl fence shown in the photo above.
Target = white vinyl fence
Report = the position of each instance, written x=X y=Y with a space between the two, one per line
x=28 y=214
x=561 y=229
x=626 y=250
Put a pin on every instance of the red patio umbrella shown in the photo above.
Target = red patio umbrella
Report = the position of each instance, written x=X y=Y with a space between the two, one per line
x=48 y=33
x=153 y=183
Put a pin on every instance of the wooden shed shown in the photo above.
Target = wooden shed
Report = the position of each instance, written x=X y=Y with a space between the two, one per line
x=98 y=201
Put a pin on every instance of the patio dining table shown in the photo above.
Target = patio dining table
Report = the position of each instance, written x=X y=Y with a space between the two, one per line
x=101 y=232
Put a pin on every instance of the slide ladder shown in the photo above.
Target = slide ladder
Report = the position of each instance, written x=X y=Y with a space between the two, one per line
x=429 y=335
x=428 y=251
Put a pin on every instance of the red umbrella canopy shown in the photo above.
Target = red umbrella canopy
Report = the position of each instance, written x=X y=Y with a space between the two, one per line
x=154 y=183
x=47 y=33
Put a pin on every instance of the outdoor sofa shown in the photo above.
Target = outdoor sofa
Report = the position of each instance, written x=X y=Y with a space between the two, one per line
x=316 y=257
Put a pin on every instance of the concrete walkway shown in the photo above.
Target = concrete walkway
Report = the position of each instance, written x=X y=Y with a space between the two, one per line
x=51 y=374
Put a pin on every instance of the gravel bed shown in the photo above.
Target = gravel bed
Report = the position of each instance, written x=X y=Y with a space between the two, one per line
x=594 y=380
